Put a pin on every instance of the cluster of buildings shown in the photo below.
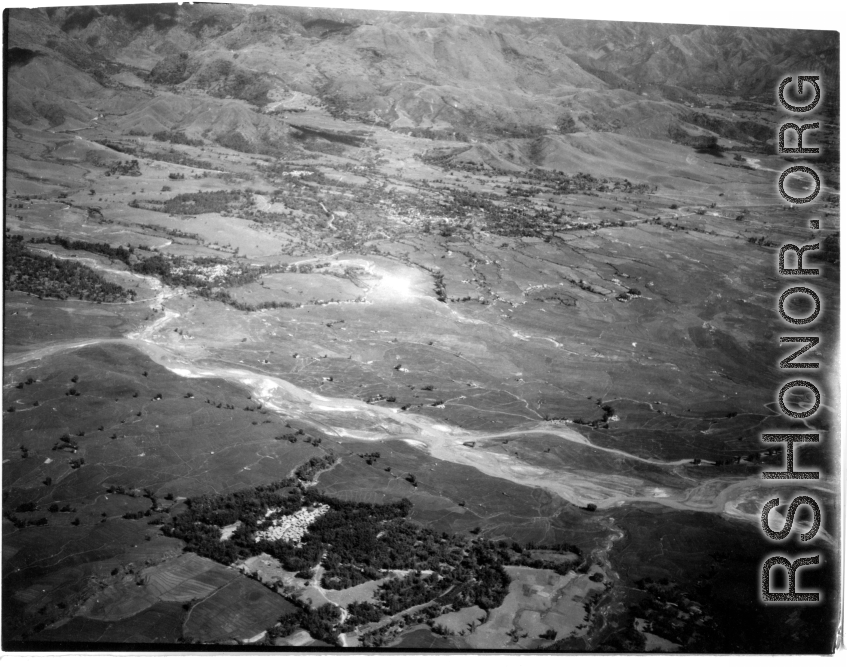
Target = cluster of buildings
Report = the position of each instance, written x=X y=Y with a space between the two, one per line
x=291 y=527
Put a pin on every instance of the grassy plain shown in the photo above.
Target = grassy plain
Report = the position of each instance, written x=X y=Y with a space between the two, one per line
x=152 y=450
x=538 y=601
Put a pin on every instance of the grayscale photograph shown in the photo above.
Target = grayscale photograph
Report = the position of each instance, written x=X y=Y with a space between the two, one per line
x=333 y=330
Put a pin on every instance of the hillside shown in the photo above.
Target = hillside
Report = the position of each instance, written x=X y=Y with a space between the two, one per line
x=476 y=76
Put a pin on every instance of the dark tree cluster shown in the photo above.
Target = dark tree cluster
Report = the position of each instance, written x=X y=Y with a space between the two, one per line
x=172 y=69
x=176 y=157
x=236 y=141
x=360 y=613
x=359 y=542
x=200 y=525
x=307 y=471
x=661 y=607
x=119 y=252
x=225 y=297
x=440 y=290
x=176 y=137
x=46 y=277
x=321 y=622
x=369 y=457
x=189 y=272
x=218 y=201
x=125 y=168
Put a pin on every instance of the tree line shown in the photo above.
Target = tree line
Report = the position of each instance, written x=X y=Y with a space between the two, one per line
x=48 y=277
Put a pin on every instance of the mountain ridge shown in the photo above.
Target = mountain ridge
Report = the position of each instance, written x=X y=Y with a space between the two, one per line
x=480 y=76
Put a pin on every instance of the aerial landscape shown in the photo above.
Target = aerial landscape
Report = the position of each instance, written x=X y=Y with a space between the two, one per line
x=344 y=330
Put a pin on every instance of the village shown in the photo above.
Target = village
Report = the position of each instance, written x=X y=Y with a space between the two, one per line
x=291 y=527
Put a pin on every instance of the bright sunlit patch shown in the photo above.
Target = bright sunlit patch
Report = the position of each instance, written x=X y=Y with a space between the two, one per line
x=396 y=286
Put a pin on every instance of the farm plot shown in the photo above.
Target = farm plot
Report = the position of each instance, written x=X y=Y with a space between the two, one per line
x=188 y=577
x=160 y=624
x=240 y=610
x=185 y=578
